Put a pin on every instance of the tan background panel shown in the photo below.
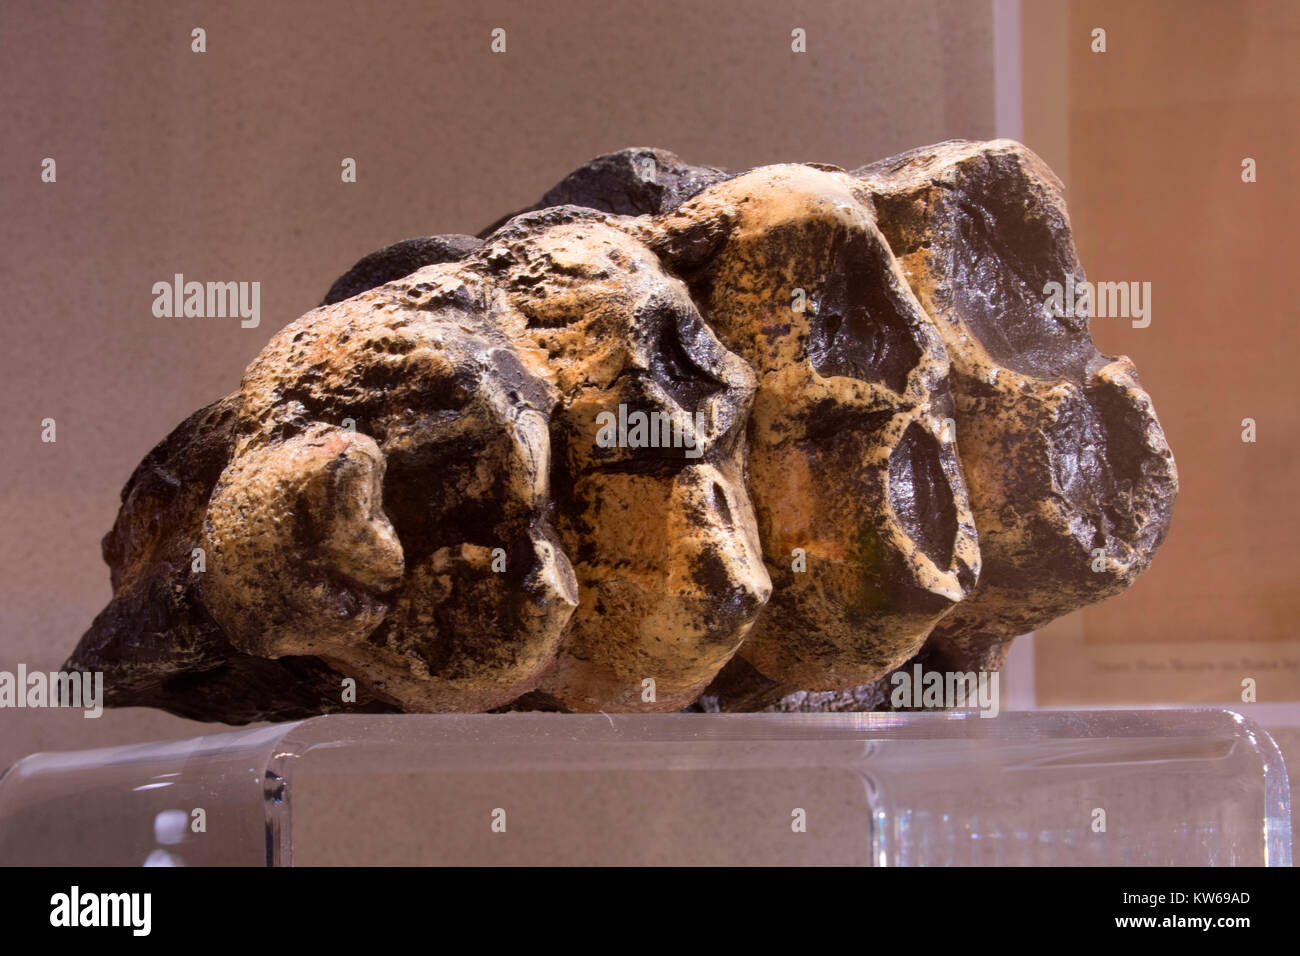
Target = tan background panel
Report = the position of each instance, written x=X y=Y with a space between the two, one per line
x=1157 y=127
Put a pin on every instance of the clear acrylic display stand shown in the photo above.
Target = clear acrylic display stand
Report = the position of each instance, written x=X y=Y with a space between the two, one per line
x=1191 y=787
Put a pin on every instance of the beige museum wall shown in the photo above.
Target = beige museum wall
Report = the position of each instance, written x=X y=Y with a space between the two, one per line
x=225 y=166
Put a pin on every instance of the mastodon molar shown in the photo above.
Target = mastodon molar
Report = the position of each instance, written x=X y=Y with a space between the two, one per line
x=673 y=434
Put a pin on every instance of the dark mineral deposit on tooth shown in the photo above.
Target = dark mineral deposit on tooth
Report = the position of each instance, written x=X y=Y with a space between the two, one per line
x=672 y=438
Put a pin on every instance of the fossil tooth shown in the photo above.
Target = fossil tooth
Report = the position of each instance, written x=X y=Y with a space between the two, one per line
x=673 y=437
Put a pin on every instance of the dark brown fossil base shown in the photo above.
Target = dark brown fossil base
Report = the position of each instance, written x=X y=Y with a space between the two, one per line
x=674 y=437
